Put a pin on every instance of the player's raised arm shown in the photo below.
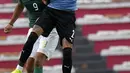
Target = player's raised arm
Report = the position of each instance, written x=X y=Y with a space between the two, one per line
x=18 y=10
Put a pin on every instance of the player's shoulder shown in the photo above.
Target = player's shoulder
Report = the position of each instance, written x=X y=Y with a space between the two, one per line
x=24 y=1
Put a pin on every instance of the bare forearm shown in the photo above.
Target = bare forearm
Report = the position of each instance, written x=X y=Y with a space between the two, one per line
x=18 y=10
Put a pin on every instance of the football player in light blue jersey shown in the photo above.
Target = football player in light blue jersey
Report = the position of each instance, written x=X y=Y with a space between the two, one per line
x=59 y=14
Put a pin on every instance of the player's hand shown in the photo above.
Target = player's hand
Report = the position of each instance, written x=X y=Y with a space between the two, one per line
x=8 y=28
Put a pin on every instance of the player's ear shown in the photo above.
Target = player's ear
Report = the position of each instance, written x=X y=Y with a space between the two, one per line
x=44 y=1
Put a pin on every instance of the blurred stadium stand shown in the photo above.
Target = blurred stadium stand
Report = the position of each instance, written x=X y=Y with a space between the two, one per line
x=102 y=43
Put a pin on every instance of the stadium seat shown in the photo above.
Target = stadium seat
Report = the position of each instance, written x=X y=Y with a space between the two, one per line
x=116 y=51
x=7 y=9
x=112 y=60
x=124 y=72
x=12 y=58
x=13 y=40
x=5 y=1
x=113 y=26
x=125 y=66
x=93 y=28
x=100 y=45
x=107 y=35
x=95 y=19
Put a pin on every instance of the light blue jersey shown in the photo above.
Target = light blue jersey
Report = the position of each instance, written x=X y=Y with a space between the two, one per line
x=67 y=5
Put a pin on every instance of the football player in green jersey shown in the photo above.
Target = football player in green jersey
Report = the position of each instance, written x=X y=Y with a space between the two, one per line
x=41 y=47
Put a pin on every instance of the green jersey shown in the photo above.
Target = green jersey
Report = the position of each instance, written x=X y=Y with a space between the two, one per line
x=34 y=8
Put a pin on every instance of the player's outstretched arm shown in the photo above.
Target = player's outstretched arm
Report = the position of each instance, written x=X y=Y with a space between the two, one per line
x=18 y=10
